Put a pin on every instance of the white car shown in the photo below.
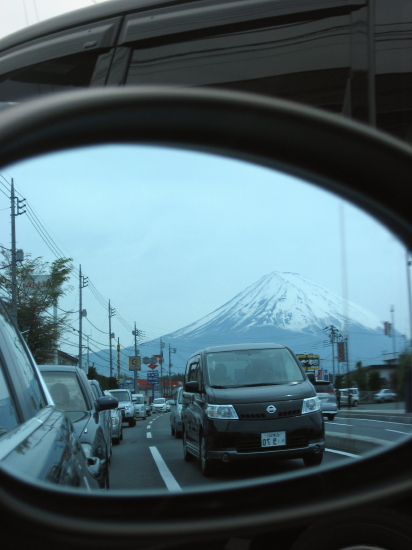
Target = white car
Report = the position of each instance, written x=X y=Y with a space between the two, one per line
x=159 y=405
x=384 y=396
x=354 y=395
x=139 y=405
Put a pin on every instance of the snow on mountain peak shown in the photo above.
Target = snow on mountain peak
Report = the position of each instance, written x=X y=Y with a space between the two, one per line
x=287 y=301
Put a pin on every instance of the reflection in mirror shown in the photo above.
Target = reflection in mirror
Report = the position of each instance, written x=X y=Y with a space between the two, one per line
x=174 y=251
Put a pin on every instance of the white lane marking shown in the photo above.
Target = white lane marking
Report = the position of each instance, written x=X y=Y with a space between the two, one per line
x=342 y=453
x=164 y=471
x=149 y=435
x=386 y=421
x=397 y=431
x=148 y=427
x=338 y=424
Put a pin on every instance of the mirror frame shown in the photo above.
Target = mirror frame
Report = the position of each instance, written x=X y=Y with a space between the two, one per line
x=338 y=155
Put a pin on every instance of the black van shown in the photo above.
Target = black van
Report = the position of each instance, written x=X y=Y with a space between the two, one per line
x=247 y=401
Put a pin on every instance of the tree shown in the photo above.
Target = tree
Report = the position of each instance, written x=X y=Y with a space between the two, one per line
x=106 y=382
x=35 y=299
x=404 y=364
x=375 y=380
x=360 y=377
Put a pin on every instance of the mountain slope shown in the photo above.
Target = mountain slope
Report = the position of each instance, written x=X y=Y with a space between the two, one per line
x=282 y=300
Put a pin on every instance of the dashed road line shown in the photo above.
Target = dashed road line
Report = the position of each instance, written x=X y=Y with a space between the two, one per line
x=342 y=453
x=164 y=471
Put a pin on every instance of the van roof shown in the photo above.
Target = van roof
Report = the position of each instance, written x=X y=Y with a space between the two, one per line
x=241 y=347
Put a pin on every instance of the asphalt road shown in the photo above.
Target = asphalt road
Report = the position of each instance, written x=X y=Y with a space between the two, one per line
x=150 y=458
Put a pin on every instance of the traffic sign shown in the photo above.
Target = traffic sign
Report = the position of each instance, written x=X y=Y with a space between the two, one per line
x=134 y=362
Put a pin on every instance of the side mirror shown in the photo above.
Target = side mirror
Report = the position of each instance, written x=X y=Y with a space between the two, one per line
x=95 y=466
x=106 y=403
x=192 y=386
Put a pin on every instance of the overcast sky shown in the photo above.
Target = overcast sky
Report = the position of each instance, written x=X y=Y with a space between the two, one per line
x=169 y=236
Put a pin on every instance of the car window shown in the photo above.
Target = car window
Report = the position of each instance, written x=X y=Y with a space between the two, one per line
x=65 y=390
x=95 y=391
x=121 y=395
x=55 y=75
x=324 y=388
x=8 y=413
x=33 y=394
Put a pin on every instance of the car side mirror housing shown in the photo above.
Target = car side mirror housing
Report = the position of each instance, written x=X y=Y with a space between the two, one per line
x=192 y=386
x=106 y=403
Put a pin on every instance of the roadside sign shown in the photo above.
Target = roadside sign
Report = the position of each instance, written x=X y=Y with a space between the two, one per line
x=135 y=362
x=153 y=378
x=309 y=361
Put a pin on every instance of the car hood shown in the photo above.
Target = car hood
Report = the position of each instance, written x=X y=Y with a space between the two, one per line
x=261 y=394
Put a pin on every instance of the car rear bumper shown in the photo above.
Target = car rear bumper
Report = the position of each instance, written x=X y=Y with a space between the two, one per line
x=242 y=440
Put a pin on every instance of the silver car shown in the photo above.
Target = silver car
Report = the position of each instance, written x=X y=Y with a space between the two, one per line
x=159 y=405
x=327 y=395
x=384 y=396
x=117 y=426
x=176 y=413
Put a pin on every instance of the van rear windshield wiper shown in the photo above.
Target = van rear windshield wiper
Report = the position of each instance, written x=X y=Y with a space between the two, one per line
x=260 y=384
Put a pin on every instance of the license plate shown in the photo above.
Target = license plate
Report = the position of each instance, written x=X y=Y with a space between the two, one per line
x=273 y=439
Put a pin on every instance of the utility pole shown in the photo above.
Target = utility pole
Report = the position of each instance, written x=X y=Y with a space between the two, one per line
x=88 y=357
x=171 y=350
x=83 y=282
x=334 y=332
x=162 y=386
x=112 y=312
x=20 y=205
x=118 y=358
x=135 y=333
x=393 y=333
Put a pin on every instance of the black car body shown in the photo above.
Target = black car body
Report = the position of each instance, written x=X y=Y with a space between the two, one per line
x=245 y=402
x=87 y=413
x=348 y=57
x=37 y=441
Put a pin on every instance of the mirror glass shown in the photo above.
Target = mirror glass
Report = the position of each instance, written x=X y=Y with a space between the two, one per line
x=193 y=250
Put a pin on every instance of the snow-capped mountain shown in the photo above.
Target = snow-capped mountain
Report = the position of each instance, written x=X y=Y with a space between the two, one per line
x=284 y=308
x=282 y=300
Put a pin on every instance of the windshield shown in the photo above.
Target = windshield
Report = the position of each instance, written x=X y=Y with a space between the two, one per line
x=159 y=401
x=138 y=399
x=253 y=367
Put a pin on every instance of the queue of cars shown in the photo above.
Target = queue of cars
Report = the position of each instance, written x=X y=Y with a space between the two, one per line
x=37 y=438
